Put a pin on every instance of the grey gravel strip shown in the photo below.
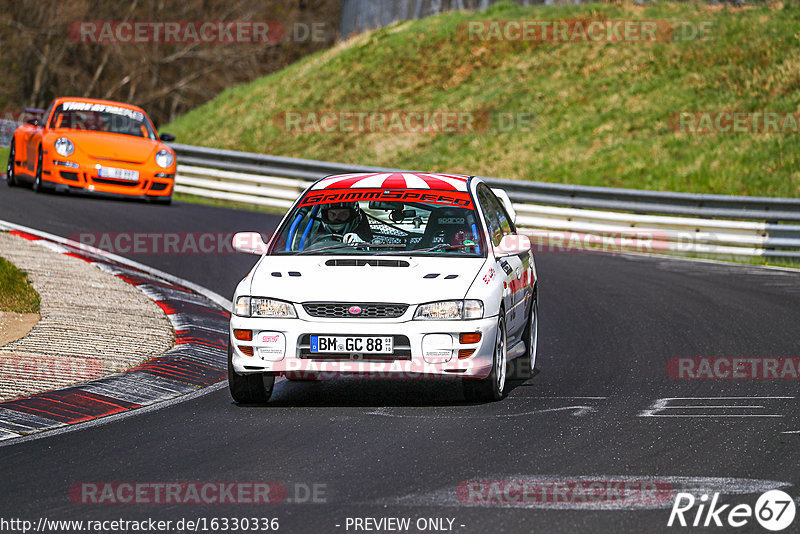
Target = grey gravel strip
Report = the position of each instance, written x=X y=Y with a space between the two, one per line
x=92 y=324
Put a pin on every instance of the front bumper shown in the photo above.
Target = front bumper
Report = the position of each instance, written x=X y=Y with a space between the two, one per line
x=152 y=183
x=280 y=346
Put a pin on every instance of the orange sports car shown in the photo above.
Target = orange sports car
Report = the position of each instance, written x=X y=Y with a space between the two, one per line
x=96 y=146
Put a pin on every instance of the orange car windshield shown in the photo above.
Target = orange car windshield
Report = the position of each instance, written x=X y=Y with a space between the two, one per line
x=101 y=118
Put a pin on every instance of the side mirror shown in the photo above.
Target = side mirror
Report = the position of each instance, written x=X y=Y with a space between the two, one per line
x=249 y=243
x=167 y=137
x=513 y=244
x=33 y=122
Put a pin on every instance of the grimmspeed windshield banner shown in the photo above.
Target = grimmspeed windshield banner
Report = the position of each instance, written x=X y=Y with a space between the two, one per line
x=459 y=199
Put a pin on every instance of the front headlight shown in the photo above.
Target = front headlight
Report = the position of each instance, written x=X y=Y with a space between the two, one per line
x=271 y=308
x=164 y=158
x=263 y=307
x=64 y=146
x=448 y=310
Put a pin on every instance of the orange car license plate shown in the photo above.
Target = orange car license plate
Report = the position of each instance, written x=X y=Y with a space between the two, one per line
x=119 y=174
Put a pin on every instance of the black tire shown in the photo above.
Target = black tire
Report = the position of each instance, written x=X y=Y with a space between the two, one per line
x=10 y=178
x=37 y=182
x=522 y=367
x=492 y=388
x=253 y=388
x=164 y=201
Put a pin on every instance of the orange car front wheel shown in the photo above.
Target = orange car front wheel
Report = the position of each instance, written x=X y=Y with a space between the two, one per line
x=10 y=180
x=37 y=182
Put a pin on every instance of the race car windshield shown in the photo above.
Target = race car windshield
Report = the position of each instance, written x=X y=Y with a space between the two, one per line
x=102 y=118
x=411 y=226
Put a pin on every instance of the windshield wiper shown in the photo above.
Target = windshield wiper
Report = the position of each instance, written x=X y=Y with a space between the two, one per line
x=356 y=245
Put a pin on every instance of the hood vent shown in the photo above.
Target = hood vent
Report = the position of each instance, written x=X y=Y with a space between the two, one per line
x=361 y=262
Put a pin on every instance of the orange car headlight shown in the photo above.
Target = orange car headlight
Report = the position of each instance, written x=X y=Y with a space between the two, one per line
x=164 y=159
x=64 y=146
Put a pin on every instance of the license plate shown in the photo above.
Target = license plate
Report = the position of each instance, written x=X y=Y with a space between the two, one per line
x=119 y=174
x=350 y=344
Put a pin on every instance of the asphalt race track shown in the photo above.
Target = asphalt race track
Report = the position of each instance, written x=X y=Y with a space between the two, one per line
x=601 y=407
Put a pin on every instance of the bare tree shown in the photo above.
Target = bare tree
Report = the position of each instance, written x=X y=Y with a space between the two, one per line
x=41 y=59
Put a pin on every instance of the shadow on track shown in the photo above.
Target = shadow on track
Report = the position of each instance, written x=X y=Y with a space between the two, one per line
x=372 y=393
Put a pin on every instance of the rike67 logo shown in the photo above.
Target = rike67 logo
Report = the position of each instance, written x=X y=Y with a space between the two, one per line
x=774 y=510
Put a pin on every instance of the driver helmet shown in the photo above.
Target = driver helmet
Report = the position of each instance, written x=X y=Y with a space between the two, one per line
x=341 y=217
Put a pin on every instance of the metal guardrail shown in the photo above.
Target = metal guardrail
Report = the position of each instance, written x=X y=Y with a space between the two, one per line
x=680 y=223
x=7 y=128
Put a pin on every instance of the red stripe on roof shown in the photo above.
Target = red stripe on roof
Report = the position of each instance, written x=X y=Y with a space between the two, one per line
x=395 y=180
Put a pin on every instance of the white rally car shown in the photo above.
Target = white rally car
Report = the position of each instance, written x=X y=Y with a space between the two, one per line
x=387 y=275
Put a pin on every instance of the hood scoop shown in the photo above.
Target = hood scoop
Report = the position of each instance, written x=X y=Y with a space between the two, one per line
x=362 y=262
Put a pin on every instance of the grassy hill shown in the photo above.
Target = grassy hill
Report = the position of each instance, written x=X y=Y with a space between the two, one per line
x=600 y=110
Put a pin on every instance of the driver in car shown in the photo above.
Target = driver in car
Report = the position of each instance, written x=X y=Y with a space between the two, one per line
x=344 y=221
